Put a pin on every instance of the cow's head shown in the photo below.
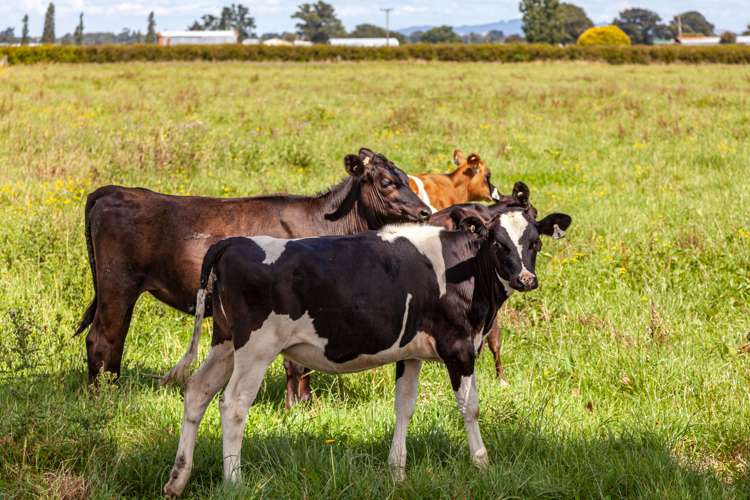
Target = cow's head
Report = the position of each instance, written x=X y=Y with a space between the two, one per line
x=473 y=171
x=382 y=190
x=514 y=238
x=510 y=235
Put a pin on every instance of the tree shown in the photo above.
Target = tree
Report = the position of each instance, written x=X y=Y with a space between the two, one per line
x=541 y=21
x=574 y=21
x=25 y=30
x=318 y=22
x=641 y=25
x=514 y=38
x=693 y=22
x=78 y=33
x=473 y=38
x=747 y=32
x=235 y=17
x=372 y=31
x=151 y=29
x=48 y=33
x=440 y=34
x=8 y=35
x=727 y=38
x=416 y=37
x=495 y=36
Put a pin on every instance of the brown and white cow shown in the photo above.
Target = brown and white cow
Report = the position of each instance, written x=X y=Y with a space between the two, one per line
x=338 y=304
x=469 y=182
x=141 y=241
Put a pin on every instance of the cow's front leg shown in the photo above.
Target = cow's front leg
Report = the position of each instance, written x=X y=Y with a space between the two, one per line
x=464 y=384
x=407 y=389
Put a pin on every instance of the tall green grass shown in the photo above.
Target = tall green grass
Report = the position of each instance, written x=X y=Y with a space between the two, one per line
x=627 y=376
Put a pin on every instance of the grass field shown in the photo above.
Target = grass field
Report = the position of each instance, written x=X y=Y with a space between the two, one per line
x=627 y=376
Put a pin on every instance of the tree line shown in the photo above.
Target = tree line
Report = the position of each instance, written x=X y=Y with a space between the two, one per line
x=555 y=22
x=544 y=21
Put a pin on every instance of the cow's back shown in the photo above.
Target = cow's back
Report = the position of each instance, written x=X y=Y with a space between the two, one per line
x=347 y=285
x=159 y=240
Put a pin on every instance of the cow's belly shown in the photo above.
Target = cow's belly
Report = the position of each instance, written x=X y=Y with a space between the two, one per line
x=312 y=355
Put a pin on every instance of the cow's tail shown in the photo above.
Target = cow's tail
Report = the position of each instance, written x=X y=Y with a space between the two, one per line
x=181 y=370
x=88 y=316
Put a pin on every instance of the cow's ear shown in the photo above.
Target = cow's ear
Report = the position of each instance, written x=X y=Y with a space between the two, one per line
x=458 y=157
x=521 y=193
x=473 y=225
x=554 y=225
x=354 y=165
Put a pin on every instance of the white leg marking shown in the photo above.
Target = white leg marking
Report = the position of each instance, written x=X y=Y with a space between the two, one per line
x=426 y=239
x=407 y=389
x=422 y=192
x=468 y=404
x=250 y=364
x=201 y=387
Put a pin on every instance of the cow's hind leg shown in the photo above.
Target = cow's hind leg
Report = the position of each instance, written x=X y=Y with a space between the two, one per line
x=106 y=338
x=201 y=387
x=293 y=380
x=407 y=389
x=250 y=364
x=495 y=343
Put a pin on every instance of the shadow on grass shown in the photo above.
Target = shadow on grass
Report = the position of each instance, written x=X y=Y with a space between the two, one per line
x=524 y=463
x=55 y=422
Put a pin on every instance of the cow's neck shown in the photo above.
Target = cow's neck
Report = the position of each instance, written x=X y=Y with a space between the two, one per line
x=342 y=211
x=467 y=271
x=489 y=293
x=460 y=187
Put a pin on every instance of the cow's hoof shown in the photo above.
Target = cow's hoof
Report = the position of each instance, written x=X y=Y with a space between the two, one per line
x=398 y=473
x=176 y=484
x=171 y=491
x=480 y=459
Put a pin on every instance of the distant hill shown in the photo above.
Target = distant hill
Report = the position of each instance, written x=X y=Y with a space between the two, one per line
x=512 y=27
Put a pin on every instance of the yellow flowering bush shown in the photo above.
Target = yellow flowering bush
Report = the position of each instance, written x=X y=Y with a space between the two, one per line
x=603 y=35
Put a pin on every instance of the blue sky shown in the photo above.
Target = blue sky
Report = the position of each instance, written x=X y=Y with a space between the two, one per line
x=273 y=15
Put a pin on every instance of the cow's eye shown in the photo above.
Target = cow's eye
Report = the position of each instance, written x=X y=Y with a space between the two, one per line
x=386 y=183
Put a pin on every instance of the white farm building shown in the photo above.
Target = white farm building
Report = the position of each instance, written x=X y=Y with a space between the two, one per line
x=702 y=41
x=169 y=38
x=364 y=42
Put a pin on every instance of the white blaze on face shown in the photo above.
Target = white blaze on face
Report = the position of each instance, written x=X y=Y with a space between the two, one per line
x=422 y=193
x=515 y=225
x=427 y=241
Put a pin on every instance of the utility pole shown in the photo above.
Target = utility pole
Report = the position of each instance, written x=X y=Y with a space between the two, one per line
x=387 y=25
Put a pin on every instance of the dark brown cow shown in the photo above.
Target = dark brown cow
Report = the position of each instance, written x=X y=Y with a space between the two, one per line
x=141 y=241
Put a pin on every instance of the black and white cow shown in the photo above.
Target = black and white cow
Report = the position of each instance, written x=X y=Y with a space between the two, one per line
x=339 y=304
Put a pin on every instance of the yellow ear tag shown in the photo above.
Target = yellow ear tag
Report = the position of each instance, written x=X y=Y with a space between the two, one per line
x=472 y=228
x=366 y=161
